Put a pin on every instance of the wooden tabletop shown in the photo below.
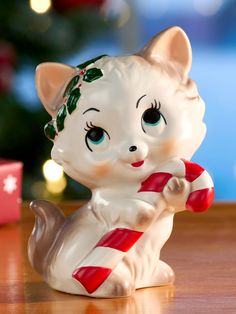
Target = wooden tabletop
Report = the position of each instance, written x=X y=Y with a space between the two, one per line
x=201 y=250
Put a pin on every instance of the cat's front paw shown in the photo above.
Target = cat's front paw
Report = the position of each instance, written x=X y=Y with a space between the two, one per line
x=176 y=193
x=115 y=286
x=176 y=185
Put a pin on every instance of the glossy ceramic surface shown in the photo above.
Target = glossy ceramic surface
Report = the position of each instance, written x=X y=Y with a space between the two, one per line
x=126 y=127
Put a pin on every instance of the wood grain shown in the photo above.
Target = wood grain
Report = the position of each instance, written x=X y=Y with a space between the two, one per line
x=202 y=251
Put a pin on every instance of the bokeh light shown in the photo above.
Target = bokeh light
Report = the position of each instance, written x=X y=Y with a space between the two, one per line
x=40 y=6
x=56 y=187
x=207 y=8
x=52 y=171
x=54 y=175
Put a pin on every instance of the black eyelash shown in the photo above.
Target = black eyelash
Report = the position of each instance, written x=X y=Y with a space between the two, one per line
x=90 y=126
x=155 y=105
x=158 y=108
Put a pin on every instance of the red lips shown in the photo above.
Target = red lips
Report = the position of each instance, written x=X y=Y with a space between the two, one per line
x=137 y=164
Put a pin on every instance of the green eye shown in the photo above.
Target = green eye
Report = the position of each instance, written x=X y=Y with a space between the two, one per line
x=96 y=135
x=151 y=117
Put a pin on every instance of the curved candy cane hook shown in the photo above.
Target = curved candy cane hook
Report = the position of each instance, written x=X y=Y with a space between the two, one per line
x=202 y=188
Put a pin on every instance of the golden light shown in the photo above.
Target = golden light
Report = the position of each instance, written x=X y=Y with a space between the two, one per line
x=56 y=187
x=54 y=175
x=52 y=171
x=40 y=6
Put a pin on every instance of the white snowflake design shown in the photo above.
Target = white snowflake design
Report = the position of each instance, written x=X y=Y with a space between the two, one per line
x=10 y=184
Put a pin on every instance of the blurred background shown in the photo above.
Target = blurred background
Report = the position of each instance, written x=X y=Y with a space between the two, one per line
x=73 y=31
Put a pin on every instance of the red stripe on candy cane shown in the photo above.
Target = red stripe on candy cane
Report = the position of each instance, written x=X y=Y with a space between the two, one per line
x=120 y=239
x=202 y=195
x=155 y=182
x=192 y=170
x=201 y=200
x=91 y=277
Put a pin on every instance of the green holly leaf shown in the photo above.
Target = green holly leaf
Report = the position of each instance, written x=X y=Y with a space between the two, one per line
x=85 y=64
x=73 y=99
x=71 y=85
x=92 y=74
x=61 y=115
x=50 y=131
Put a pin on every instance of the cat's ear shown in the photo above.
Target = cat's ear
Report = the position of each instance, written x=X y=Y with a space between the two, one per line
x=172 y=44
x=50 y=78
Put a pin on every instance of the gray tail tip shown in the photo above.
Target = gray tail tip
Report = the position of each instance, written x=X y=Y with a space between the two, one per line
x=43 y=207
x=38 y=203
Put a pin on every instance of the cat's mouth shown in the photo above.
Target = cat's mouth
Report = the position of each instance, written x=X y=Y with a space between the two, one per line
x=137 y=164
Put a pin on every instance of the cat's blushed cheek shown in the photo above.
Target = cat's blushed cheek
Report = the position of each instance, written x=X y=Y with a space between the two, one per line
x=168 y=148
x=102 y=170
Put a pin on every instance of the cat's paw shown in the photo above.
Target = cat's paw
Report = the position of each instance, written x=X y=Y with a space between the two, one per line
x=176 y=185
x=163 y=275
x=115 y=286
x=176 y=193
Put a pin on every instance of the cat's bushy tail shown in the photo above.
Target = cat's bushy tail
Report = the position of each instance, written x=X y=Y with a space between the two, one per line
x=48 y=221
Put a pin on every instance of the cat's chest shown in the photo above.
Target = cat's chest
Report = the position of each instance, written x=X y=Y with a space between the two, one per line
x=106 y=196
x=110 y=204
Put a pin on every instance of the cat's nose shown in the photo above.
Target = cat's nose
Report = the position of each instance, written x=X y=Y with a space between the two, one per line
x=133 y=148
x=130 y=153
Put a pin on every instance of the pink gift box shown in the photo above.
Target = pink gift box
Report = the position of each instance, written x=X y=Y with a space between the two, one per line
x=10 y=190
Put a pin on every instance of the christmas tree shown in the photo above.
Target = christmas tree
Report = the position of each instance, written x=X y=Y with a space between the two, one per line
x=30 y=33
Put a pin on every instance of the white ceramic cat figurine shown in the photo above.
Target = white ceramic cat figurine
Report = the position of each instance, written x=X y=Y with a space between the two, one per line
x=124 y=127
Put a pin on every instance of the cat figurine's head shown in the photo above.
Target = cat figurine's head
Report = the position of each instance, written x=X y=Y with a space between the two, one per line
x=117 y=119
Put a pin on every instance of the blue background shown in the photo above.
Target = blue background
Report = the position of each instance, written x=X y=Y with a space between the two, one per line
x=211 y=27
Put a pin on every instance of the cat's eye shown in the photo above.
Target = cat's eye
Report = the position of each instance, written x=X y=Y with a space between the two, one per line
x=96 y=135
x=96 y=138
x=151 y=117
x=153 y=122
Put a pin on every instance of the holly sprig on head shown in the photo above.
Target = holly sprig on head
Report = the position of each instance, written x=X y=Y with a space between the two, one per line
x=72 y=94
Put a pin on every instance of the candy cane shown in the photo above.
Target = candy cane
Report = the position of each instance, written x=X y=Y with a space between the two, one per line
x=202 y=190
x=108 y=252
x=113 y=246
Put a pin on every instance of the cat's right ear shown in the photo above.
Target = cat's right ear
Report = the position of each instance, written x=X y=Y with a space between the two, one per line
x=50 y=78
x=172 y=45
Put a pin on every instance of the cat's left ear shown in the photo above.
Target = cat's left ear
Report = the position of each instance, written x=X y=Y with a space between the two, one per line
x=171 y=44
x=50 y=79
